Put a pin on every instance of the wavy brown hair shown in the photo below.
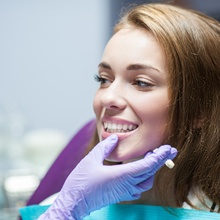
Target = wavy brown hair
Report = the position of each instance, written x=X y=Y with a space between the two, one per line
x=191 y=43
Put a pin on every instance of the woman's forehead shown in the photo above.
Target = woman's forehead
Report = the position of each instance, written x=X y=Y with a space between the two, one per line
x=132 y=46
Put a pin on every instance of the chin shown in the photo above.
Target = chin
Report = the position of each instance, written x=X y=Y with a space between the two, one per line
x=122 y=157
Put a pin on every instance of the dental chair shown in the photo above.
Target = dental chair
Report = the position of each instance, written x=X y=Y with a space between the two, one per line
x=55 y=177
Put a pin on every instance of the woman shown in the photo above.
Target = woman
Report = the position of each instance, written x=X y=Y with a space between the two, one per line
x=159 y=84
x=190 y=42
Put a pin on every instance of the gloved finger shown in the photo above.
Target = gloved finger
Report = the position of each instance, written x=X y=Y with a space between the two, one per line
x=136 y=196
x=158 y=158
x=147 y=184
x=132 y=190
x=150 y=174
x=144 y=181
x=104 y=148
x=130 y=197
x=151 y=162
x=139 y=179
x=141 y=186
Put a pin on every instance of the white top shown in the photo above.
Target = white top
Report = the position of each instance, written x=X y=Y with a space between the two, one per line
x=203 y=202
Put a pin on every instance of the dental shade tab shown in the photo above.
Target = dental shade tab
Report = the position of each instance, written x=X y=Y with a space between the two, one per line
x=169 y=163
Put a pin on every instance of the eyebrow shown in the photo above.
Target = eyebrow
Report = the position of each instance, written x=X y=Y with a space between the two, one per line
x=141 y=67
x=105 y=66
x=136 y=66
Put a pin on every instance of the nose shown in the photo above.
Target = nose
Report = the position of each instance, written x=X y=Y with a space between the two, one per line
x=114 y=97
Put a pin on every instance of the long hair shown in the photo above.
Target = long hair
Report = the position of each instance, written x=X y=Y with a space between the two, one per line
x=191 y=43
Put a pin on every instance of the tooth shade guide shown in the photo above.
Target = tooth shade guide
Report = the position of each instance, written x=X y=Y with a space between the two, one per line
x=170 y=164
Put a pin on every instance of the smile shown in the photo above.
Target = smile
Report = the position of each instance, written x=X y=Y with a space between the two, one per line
x=118 y=128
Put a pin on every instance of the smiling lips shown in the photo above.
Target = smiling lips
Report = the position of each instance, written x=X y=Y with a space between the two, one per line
x=118 y=128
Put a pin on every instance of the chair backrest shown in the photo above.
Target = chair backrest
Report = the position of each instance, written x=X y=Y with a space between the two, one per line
x=55 y=177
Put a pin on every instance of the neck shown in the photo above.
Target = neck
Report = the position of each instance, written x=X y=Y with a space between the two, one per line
x=150 y=198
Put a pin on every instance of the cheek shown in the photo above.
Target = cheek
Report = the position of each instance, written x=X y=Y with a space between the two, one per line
x=155 y=117
x=156 y=107
x=154 y=120
x=96 y=105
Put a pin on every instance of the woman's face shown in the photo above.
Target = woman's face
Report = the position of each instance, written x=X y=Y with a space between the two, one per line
x=132 y=100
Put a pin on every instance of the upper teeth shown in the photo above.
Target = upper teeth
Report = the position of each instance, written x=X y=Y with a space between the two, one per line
x=113 y=127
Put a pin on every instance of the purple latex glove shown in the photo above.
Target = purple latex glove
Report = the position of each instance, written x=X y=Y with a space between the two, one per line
x=92 y=185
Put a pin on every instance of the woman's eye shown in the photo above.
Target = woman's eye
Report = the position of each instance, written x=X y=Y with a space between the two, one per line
x=143 y=84
x=101 y=80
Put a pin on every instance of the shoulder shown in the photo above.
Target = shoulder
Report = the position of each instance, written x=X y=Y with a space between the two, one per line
x=199 y=200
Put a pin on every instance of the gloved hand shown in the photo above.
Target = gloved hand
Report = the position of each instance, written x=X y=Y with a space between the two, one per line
x=92 y=185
